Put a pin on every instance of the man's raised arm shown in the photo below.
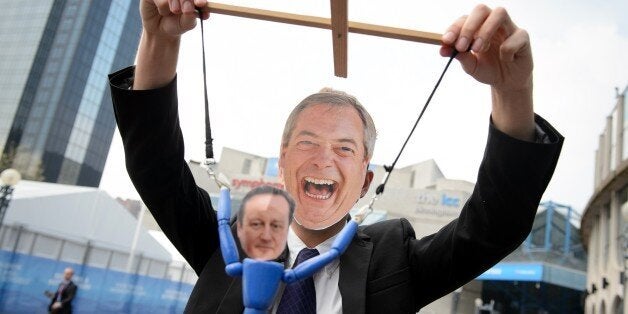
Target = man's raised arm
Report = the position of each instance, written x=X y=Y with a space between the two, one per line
x=163 y=24
x=148 y=121
x=500 y=55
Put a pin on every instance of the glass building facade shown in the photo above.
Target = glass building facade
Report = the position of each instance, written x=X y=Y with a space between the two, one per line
x=56 y=116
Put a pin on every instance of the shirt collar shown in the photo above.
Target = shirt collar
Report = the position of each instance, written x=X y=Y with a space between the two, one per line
x=295 y=245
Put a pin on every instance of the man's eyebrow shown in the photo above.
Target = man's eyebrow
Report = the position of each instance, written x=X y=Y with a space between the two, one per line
x=340 y=140
x=307 y=133
x=348 y=140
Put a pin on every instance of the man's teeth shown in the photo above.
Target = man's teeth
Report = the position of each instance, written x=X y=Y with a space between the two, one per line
x=319 y=181
x=320 y=189
x=316 y=196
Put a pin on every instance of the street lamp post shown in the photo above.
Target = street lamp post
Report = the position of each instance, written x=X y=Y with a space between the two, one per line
x=8 y=179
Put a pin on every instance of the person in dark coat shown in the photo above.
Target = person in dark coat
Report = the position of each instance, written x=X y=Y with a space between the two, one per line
x=61 y=300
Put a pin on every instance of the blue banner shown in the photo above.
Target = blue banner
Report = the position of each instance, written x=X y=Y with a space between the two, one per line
x=24 y=278
x=514 y=272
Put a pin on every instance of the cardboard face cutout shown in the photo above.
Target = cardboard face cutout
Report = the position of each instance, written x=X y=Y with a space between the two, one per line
x=263 y=226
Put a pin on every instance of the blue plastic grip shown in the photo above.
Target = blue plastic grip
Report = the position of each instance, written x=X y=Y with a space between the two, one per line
x=234 y=269
x=224 y=204
x=345 y=236
x=227 y=243
x=309 y=267
x=260 y=283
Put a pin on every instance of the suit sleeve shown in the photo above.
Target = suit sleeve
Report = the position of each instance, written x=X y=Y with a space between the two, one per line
x=154 y=152
x=495 y=220
x=69 y=296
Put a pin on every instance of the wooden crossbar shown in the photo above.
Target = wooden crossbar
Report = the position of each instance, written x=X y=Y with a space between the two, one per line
x=339 y=9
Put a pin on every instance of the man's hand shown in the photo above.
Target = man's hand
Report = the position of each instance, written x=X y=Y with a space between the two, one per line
x=170 y=17
x=500 y=55
x=163 y=21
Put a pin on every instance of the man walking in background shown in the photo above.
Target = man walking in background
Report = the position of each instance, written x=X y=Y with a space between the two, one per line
x=61 y=300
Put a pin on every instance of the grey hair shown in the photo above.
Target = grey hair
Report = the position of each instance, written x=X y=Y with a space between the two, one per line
x=334 y=98
x=262 y=190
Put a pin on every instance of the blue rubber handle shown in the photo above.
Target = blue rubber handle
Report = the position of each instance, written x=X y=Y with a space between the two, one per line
x=227 y=243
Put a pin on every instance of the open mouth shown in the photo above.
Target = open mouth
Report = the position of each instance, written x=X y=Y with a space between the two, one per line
x=320 y=189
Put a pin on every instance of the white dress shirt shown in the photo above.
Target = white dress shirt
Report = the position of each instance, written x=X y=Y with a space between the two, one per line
x=328 y=298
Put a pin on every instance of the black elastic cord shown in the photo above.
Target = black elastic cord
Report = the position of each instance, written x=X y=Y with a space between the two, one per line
x=389 y=169
x=209 y=147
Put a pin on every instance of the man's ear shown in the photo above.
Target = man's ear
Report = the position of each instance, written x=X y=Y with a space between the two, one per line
x=368 y=178
x=280 y=163
x=282 y=154
x=239 y=230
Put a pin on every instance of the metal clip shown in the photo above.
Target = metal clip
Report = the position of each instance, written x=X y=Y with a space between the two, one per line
x=361 y=215
x=220 y=179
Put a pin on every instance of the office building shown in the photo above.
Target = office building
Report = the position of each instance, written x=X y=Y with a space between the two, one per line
x=56 y=116
x=604 y=231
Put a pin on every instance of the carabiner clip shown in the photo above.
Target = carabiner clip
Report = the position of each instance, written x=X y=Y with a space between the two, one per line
x=220 y=179
x=361 y=215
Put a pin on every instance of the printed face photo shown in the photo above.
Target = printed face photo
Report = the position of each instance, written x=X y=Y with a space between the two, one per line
x=263 y=227
x=323 y=165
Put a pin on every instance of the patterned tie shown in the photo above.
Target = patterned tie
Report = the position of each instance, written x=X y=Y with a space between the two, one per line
x=299 y=297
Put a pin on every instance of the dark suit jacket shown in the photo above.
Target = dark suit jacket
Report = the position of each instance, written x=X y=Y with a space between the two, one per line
x=67 y=295
x=385 y=269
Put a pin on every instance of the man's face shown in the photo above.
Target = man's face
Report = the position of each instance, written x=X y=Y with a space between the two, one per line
x=263 y=231
x=67 y=273
x=323 y=165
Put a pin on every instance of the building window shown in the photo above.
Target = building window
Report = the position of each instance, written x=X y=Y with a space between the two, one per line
x=246 y=166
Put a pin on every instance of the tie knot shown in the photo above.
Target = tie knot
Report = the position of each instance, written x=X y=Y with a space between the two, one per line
x=305 y=254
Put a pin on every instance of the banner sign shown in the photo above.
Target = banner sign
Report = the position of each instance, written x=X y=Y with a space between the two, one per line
x=514 y=272
x=24 y=278
x=440 y=203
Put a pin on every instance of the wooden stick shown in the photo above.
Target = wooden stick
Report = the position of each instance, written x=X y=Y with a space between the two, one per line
x=339 y=30
x=325 y=23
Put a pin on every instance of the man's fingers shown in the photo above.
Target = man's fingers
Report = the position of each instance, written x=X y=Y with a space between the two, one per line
x=175 y=6
x=187 y=6
x=470 y=27
x=476 y=30
x=163 y=7
x=498 y=19
x=187 y=21
x=517 y=45
x=202 y=4
x=451 y=35
x=468 y=61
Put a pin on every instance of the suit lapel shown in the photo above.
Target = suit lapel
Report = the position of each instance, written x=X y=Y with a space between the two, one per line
x=232 y=300
x=354 y=266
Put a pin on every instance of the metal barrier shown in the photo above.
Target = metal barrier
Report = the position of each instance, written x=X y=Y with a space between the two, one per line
x=33 y=261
